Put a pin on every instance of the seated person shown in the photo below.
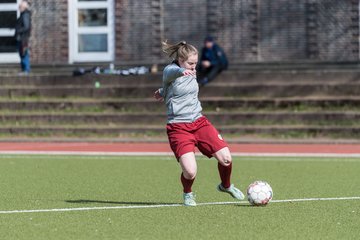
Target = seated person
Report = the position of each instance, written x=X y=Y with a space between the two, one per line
x=212 y=61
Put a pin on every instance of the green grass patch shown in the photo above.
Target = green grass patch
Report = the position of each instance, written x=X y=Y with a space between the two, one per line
x=302 y=107
x=117 y=122
x=156 y=135
x=52 y=182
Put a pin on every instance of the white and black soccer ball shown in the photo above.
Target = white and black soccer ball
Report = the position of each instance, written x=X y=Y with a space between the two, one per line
x=259 y=193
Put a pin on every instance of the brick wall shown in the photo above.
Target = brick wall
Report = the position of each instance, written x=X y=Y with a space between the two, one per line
x=282 y=28
x=49 y=40
x=239 y=38
x=133 y=36
x=248 y=30
x=338 y=30
x=142 y=25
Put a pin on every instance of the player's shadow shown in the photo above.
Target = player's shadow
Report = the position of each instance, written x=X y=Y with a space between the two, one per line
x=243 y=205
x=85 y=201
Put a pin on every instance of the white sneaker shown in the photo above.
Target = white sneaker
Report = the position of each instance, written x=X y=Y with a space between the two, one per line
x=189 y=199
x=232 y=190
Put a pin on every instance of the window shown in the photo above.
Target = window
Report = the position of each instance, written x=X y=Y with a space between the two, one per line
x=8 y=15
x=91 y=30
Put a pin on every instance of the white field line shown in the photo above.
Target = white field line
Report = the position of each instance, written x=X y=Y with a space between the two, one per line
x=170 y=205
x=238 y=154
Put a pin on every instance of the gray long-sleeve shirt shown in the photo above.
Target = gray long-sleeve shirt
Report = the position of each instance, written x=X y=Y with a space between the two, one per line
x=181 y=95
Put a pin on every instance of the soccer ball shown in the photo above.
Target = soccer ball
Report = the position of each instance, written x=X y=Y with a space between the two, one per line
x=259 y=193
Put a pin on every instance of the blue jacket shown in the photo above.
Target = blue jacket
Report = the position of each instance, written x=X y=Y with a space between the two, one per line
x=215 y=55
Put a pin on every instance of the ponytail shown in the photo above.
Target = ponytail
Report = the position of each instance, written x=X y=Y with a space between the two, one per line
x=179 y=50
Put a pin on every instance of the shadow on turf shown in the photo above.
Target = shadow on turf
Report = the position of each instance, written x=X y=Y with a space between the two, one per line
x=82 y=201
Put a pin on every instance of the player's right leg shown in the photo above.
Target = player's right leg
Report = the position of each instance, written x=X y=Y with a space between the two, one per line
x=189 y=169
x=182 y=142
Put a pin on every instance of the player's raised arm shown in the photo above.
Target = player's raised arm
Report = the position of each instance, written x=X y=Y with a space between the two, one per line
x=172 y=72
x=158 y=95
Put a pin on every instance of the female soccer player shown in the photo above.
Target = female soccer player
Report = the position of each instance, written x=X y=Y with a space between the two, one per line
x=186 y=126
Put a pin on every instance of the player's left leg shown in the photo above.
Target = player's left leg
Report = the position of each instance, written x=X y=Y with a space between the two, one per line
x=211 y=144
x=225 y=167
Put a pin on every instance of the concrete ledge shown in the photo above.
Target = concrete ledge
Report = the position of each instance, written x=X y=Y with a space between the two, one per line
x=218 y=118
x=149 y=104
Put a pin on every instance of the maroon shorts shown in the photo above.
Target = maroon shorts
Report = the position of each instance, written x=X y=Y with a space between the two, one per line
x=183 y=137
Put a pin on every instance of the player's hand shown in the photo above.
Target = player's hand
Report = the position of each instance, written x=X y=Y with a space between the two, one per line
x=188 y=72
x=157 y=96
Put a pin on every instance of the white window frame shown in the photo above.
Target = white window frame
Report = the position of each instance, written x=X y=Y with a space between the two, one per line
x=8 y=32
x=74 y=30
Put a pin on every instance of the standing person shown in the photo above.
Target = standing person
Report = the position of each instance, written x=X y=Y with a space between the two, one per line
x=22 y=35
x=186 y=126
x=212 y=61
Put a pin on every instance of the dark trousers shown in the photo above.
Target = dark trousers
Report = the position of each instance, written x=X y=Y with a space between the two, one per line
x=206 y=75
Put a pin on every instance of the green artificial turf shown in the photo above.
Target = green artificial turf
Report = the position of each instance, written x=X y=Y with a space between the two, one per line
x=63 y=182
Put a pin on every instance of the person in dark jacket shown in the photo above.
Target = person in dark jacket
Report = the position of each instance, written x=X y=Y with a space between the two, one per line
x=212 y=61
x=22 y=35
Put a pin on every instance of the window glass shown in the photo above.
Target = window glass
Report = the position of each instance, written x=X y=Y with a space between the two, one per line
x=92 y=17
x=7 y=45
x=93 y=43
x=8 y=19
x=8 y=1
